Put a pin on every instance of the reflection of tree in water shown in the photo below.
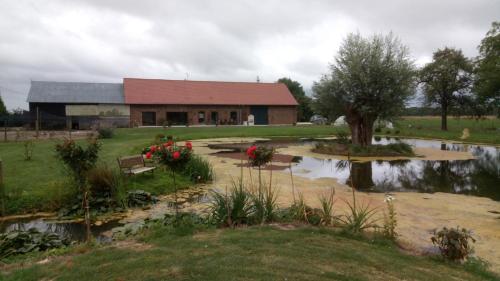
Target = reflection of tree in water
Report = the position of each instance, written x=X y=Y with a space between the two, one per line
x=361 y=176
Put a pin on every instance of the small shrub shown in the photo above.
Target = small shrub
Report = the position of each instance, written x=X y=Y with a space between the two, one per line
x=28 y=149
x=259 y=155
x=103 y=181
x=388 y=132
x=298 y=210
x=106 y=133
x=397 y=132
x=378 y=130
x=390 y=220
x=342 y=137
x=264 y=205
x=377 y=138
x=359 y=218
x=454 y=243
x=199 y=170
x=185 y=223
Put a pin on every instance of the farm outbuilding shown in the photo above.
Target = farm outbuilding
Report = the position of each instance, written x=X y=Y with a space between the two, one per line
x=155 y=102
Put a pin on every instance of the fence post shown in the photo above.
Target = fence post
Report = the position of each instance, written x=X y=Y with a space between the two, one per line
x=2 y=191
x=5 y=130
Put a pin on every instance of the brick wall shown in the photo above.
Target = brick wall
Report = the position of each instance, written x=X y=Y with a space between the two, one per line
x=276 y=114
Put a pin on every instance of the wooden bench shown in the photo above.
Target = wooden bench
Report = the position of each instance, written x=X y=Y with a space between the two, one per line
x=134 y=165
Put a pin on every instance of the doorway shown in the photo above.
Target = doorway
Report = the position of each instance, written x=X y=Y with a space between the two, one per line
x=214 y=118
x=260 y=114
x=149 y=118
x=177 y=118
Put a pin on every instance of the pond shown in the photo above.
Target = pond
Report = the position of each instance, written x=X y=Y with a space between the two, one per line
x=75 y=231
x=477 y=177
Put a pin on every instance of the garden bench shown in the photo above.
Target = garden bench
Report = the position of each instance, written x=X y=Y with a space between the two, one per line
x=134 y=165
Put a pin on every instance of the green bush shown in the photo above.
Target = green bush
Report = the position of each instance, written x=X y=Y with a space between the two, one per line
x=106 y=133
x=21 y=242
x=199 y=170
x=103 y=181
x=454 y=243
x=378 y=130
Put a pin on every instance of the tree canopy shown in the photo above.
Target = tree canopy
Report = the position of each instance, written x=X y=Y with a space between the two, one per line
x=487 y=71
x=304 y=110
x=3 y=108
x=371 y=78
x=446 y=80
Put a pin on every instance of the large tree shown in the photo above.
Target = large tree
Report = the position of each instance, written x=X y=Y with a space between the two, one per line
x=445 y=80
x=371 y=78
x=304 y=110
x=487 y=71
x=3 y=109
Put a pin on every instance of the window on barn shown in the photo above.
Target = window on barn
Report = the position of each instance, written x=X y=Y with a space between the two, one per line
x=201 y=117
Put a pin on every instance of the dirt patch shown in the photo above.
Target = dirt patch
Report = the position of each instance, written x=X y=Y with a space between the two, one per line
x=132 y=245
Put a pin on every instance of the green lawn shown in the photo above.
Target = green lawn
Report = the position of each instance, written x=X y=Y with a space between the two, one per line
x=41 y=184
x=482 y=131
x=255 y=253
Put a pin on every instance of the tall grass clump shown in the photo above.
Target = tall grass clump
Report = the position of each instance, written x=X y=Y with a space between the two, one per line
x=233 y=208
x=326 y=212
x=265 y=208
x=199 y=170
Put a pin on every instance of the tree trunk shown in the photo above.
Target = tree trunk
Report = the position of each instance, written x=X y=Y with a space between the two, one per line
x=444 y=117
x=361 y=129
x=360 y=176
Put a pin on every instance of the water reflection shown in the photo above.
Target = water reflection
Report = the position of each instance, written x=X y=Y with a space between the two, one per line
x=479 y=177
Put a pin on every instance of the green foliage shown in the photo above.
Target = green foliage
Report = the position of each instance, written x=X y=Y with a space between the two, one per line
x=103 y=181
x=359 y=218
x=392 y=149
x=327 y=217
x=32 y=240
x=445 y=79
x=231 y=209
x=185 y=223
x=106 y=133
x=342 y=137
x=370 y=79
x=3 y=108
x=390 y=219
x=454 y=243
x=199 y=170
x=305 y=111
x=78 y=159
x=487 y=71
x=28 y=149
x=264 y=206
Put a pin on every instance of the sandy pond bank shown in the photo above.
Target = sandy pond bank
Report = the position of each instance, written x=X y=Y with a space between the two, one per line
x=418 y=213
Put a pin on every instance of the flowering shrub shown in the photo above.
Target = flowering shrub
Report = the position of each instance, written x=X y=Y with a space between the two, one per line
x=170 y=154
x=259 y=155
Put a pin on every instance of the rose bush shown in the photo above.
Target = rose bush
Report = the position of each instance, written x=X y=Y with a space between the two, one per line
x=170 y=154
x=259 y=155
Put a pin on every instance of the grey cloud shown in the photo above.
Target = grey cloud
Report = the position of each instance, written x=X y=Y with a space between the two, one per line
x=104 y=40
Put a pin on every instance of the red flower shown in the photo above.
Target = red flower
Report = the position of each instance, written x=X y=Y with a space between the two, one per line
x=148 y=155
x=251 y=151
x=189 y=145
x=152 y=149
x=176 y=155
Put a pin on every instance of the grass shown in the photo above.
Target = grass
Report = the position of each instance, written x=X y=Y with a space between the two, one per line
x=41 y=184
x=482 y=131
x=254 y=253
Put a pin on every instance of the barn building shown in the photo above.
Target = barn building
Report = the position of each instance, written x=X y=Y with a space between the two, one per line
x=155 y=102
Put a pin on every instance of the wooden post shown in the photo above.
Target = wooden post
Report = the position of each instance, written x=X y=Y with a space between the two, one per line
x=37 y=121
x=5 y=130
x=2 y=191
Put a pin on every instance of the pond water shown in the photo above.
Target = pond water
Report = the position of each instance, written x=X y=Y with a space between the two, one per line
x=75 y=231
x=478 y=177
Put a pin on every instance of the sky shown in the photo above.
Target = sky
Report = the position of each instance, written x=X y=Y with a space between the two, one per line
x=230 y=40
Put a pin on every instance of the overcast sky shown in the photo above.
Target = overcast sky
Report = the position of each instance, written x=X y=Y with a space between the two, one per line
x=104 y=41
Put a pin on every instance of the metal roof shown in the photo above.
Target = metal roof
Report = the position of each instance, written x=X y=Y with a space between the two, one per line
x=76 y=92
x=156 y=91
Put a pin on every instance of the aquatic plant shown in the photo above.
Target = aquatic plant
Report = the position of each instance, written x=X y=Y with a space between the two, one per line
x=32 y=240
x=453 y=243
x=231 y=209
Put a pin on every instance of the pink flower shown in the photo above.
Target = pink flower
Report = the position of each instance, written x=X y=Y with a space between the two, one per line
x=189 y=145
x=251 y=151
x=152 y=149
x=148 y=155
x=176 y=155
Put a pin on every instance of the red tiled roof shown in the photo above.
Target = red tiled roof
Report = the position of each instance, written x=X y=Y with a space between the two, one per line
x=156 y=91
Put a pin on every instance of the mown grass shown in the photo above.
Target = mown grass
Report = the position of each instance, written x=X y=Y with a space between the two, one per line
x=481 y=131
x=254 y=253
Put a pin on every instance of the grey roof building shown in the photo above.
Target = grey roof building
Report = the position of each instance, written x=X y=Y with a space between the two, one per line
x=76 y=93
